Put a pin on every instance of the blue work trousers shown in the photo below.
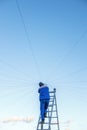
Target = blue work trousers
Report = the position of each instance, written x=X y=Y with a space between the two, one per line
x=43 y=107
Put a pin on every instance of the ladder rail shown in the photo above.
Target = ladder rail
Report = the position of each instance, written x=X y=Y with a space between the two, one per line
x=51 y=111
x=57 y=111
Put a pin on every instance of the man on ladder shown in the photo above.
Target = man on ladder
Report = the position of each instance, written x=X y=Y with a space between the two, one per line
x=44 y=98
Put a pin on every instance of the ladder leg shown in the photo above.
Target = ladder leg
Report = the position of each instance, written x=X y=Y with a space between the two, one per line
x=42 y=126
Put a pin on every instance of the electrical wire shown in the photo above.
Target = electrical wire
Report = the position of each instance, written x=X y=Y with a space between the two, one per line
x=14 y=91
x=13 y=80
x=28 y=39
x=73 y=73
x=27 y=36
x=74 y=81
x=16 y=70
x=72 y=48
x=68 y=53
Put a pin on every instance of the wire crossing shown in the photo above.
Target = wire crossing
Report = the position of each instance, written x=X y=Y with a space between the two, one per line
x=51 y=120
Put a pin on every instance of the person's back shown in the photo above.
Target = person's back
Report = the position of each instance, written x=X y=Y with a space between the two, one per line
x=44 y=92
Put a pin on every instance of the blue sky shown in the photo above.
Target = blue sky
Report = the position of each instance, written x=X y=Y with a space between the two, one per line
x=43 y=40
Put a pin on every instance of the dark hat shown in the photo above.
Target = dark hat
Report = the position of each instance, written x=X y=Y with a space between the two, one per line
x=41 y=84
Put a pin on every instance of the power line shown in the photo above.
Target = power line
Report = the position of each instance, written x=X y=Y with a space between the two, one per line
x=13 y=80
x=14 y=92
x=72 y=48
x=69 y=52
x=74 y=81
x=14 y=68
x=73 y=73
x=28 y=39
x=71 y=86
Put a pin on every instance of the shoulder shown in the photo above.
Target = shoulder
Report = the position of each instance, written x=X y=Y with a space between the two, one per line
x=43 y=87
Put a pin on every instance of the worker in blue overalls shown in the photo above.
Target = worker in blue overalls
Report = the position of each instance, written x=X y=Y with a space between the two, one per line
x=44 y=98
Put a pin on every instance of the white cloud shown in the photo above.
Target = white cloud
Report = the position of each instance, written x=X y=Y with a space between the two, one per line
x=17 y=119
x=68 y=122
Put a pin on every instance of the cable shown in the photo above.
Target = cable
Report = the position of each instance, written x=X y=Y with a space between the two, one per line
x=72 y=48
x=26 y=32
x=71 y=86
x=15 y=68
x=13 y=80
x=14 y=92
x=13 y=86
x=28 y=39
x=73 y=73
x=77 y=81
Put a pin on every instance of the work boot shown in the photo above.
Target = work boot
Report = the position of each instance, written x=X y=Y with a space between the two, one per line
x=42 y=121
x=45 y=114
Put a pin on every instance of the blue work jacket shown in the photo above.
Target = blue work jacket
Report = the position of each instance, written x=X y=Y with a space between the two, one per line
x=43 y=93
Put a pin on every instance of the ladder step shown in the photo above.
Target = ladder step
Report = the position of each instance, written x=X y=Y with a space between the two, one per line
x=46 y=123
x=52 y=111
x=51 y=92
x=51 y=96
x=50 y=101
x=43 y=129
x=51 y=105
x=54 y=123
x=52 y=117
